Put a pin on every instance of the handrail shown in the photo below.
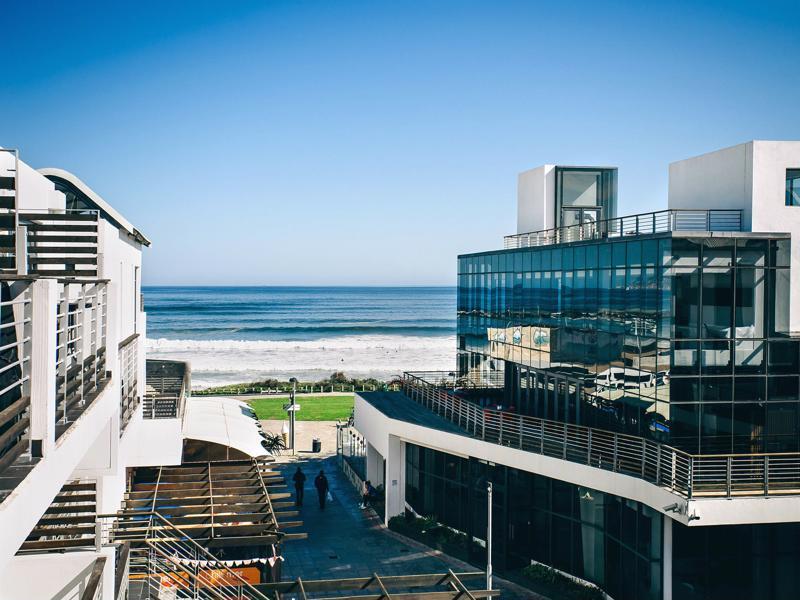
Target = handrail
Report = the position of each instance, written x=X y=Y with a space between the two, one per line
x=637 y=224
x=122 y=569
x=686 y=474
x=94 y=586
x=182 y=537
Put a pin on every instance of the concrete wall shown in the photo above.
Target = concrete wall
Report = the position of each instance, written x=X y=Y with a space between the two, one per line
x=721 y=179
x=770 y=213
x=34 y=192
x=20 y=512
x=536 y=197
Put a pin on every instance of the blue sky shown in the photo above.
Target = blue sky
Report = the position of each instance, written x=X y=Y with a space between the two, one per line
x=285 y=143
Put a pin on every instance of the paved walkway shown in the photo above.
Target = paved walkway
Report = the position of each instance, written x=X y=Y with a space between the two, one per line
x=345 y=541
x=304 y=433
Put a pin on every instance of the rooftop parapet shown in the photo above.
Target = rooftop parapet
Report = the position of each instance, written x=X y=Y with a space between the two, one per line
x=663 y=221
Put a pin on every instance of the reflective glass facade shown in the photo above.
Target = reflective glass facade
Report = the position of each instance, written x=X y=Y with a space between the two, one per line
x=678 y=338
x=613 y=542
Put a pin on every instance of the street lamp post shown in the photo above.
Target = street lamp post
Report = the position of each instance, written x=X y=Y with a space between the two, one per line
x=489 y=536
x=293 y=381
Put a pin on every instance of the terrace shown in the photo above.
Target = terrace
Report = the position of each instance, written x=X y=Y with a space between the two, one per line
x=57 y=331
x=687 y=475
x=664 y=221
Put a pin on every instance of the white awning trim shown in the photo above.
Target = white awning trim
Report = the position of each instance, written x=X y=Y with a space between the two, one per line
x=224 y=421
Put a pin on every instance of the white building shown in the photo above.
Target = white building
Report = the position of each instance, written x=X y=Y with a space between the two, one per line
x=72 y=376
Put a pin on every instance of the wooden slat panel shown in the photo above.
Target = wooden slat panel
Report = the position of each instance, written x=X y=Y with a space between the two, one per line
x=57 y=544
x=14 y=409
x=39 y=238
x=36 y=250
x=56 y=216
x=56 y=273
x=13 y=454
x=64 y=530
x=60 y=260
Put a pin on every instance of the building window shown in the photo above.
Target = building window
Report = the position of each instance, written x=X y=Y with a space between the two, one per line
x=792 y=187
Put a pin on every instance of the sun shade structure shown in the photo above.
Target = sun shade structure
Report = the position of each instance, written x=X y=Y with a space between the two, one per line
x=227 y=427
x=218 y=504
x=436 y=586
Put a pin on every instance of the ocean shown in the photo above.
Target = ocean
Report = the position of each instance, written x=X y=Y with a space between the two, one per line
x=244 y=334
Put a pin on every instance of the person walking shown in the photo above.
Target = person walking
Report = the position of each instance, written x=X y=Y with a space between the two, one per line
x=321 y=483
x=299 y=483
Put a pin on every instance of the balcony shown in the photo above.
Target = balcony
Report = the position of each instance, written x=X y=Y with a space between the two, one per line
x=56 y=243
x=168 y=385
x=663 y=221
x=58 y=331
x=129 y=388
x=687 y=475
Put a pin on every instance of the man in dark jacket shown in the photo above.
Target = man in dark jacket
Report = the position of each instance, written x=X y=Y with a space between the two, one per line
x=299 y=481
x=321 y=483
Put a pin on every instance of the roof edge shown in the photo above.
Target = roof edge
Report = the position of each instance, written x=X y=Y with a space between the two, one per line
x=97 y=199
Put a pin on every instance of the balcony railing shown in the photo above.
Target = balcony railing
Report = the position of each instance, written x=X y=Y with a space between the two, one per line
x=55 y=243
x=168 y=385
x=721 y=475
x=642 y=224
x=80 y=348
x=129 y=384
x=15 y=355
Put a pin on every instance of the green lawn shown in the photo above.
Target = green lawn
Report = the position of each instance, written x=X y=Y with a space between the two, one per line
x=312 y=408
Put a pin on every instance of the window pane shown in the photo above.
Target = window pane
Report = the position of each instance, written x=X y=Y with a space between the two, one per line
x=792 y=187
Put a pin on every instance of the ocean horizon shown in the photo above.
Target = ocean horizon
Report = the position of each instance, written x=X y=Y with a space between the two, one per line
x=239 y=334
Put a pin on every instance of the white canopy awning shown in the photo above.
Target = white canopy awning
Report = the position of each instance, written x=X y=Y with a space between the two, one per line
x=224 y=421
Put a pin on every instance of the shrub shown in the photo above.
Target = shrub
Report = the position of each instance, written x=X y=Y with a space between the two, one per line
x=566 y=588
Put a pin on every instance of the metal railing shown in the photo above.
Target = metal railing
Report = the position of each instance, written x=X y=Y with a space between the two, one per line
x=129 y=388
x=80 y=346
x=164 y=559
x=122 y=571
x=94 y=585
x=641 y=224
x=167 y=387
x=721 y=475
x=15 y=355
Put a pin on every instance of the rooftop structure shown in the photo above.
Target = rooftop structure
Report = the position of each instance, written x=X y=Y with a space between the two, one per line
x=628 y=384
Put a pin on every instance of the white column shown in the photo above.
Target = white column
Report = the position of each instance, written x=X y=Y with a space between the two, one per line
x=395 y=491
x=112 y=329
x=44 y=302
x=666 y=559
x=374 y=466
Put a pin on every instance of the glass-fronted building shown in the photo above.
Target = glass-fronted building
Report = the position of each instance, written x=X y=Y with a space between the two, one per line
x=680 y=338
x=611 y=541
x=629 y=385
